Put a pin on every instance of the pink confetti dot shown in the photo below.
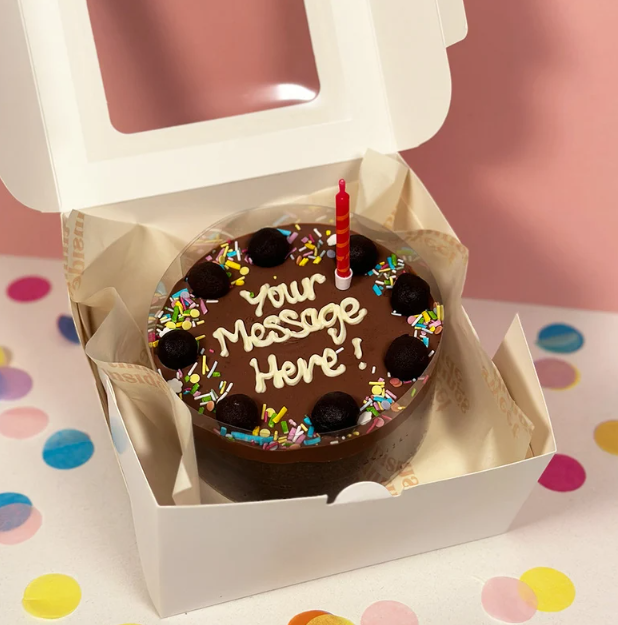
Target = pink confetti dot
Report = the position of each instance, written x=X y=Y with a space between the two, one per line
x=25 y=531
x=22 y=422
x=14 y=383
x=389 y=613
x=556 y=374
x=563 y=474
x=509 y=600
x=28 y=289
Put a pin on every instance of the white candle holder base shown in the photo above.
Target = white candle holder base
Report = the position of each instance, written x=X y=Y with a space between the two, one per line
x=343 y=282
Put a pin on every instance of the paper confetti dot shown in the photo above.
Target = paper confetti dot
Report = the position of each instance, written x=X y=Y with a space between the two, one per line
x=509 y=600
x=560 y=338
x=553 y=589
x=66 y=325
x=606 y=437
x=68 y=449
x=22 y=422
x=563 y=474
x=556 y=374
x=28 y=289
x=304 y=618
x=330 y=619
x=389 y=613
x=15 y=509
x=14 y=383
x=51 y=596
x=5 y=357
x=24 y=531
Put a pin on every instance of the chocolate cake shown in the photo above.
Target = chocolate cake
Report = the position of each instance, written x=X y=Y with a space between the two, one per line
x=297 y=388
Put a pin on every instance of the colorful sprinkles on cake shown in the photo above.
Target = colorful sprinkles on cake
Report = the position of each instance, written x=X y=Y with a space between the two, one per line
x=279 y=428
x=202 y=381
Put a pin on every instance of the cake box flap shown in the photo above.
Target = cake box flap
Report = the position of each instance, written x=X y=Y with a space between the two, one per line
x=384 y=83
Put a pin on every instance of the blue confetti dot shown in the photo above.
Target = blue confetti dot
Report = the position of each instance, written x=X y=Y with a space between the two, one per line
x=9 y=498
x=15 y=510
x=66 y=326
x=560 y=338
x=68 y=449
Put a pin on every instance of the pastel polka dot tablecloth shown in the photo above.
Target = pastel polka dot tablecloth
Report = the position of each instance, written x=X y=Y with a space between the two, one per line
x=67 y=548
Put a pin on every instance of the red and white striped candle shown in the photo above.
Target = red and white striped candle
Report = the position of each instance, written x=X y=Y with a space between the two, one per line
x=343 y=273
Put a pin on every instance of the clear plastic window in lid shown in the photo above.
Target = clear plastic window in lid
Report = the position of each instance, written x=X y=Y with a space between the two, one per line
x=167 y=64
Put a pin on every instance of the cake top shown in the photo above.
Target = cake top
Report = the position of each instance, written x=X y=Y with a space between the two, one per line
x=257 y=339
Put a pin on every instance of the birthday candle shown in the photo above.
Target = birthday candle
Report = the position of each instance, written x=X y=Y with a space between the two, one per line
x=342 y=204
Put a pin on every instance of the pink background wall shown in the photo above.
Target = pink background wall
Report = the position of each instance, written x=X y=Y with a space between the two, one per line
x=524 y=168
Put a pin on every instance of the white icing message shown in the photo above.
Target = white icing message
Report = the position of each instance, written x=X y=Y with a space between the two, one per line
x=288 y=324
x=310 y=320
x=281 y=293
x=291 y=374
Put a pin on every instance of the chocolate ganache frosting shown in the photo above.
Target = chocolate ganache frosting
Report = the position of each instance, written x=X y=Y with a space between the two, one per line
x=294 y=385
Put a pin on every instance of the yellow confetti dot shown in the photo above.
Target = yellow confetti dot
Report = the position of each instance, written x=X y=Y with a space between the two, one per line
x=186 y=325
x=171 y=325
x=376 y=390
x=329 y=619
x=239 y=282
x=194 y=379
x=264 y=432
x=195 y=313
x=51 y=596
x=553 y=589
x=4 y=356
x=328 y=233
x=244 y=271
x=606 y=437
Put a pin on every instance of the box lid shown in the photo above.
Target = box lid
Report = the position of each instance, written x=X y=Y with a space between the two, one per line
x=384 y=84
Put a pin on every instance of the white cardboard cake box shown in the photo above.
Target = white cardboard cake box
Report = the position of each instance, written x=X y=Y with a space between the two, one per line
x=384 y=84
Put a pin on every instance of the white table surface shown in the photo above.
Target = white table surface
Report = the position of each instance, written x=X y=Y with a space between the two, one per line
x=87 y=530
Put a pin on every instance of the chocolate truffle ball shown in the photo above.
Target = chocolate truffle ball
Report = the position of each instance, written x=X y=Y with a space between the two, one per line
x=406 y=358
x=208 y=280
x=177 y=349
x=363 y=254
x=334 y=411
x=268 y=247
x=239 y=411
x=410 y=295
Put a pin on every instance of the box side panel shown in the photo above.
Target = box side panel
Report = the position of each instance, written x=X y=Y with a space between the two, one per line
x=25 y=166
x=211 y=554
x=514 y=362
x=144 y=509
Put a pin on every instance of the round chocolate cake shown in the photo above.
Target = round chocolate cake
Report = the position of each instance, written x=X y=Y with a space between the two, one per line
x=298 y=388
